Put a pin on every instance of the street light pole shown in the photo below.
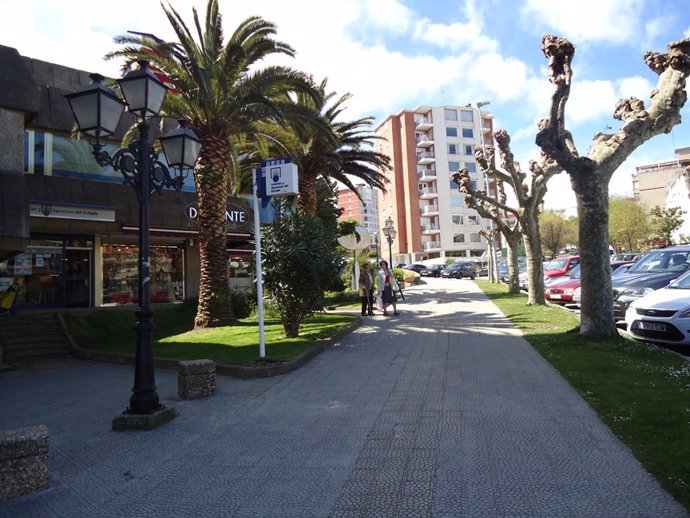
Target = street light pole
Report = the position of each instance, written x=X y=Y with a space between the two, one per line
x=389 y=232
x=97 y=111
x=492 y=242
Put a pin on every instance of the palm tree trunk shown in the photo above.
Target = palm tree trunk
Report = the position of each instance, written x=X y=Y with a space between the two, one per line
x=211 y=180
x=307 y=192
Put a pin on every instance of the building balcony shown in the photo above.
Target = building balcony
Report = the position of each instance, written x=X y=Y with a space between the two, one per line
x=426 y=175
x=423 y=124
x=432 y=245
x=426 y=157
x=428 y=193
x=430 y=210
x=424 y=140
x=431 y=229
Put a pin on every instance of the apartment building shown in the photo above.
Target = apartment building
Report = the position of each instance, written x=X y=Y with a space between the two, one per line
x=426 y=146
x=364 y=210
x=652 y=182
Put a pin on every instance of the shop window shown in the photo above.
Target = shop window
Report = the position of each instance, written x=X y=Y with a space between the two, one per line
x=37 y=274
x=121 y=273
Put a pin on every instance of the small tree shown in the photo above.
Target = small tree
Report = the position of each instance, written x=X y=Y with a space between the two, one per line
x=300 y=259
x=665 y=222
x=627 y=224
x=554 y=230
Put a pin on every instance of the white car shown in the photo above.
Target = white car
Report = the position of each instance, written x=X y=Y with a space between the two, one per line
x=662 y=315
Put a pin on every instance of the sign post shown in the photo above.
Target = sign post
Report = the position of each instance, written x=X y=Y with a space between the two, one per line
x=273 y=178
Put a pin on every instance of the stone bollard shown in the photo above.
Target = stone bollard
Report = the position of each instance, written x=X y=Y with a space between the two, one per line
x=196 y=378
x=23 y=461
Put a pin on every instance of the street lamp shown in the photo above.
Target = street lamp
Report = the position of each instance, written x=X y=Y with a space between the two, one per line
x=492 y=242
x=389 y=232
x=97 y=111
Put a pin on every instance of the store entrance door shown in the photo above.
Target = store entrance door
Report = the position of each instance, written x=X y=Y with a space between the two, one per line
x=77 y=278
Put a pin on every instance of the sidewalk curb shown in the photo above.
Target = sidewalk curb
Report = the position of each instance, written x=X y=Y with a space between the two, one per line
x=235 y=371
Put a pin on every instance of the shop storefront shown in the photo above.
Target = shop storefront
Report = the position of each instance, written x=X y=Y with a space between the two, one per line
x=51 y=272
x=120 y=273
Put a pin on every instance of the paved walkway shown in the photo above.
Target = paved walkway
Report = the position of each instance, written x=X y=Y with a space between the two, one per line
x=443 y=411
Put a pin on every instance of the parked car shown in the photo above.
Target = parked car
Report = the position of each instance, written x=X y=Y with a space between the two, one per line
x=652 y=272
x=459 y=271
x=662 y=315
x=625 y=257
x=560 y=266
x=567 y=290
x=415 y=267
x=433 y=270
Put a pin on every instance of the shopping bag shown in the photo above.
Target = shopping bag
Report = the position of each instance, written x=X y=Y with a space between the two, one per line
x=379 y=303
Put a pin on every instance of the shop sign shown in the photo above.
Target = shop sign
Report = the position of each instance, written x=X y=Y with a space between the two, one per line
x=238 y=214
x=46 y=209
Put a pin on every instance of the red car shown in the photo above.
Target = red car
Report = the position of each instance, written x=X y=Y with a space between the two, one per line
x=560 y=266
x=561 y=292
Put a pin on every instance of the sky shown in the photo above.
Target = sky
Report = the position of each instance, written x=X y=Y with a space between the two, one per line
x=393 y=55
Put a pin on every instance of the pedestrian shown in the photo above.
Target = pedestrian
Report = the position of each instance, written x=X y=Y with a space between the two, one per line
x=387 y=286
x=366 y=290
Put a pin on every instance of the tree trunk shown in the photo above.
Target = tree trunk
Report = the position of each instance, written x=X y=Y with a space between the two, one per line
x=307 y=192
x=210 y=175
x=596 y=307
x=512 y=244
x=535 y=268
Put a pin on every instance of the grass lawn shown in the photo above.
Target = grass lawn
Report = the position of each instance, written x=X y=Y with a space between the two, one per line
x=641 y=392
x=111 y=331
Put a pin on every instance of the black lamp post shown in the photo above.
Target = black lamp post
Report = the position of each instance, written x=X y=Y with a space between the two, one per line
x=389 y=232
x=97 y=111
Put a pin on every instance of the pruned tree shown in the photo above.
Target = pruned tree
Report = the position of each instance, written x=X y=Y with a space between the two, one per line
x=529 y=199
x=590 y=175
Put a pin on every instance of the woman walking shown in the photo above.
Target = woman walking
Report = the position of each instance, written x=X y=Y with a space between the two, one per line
x=387 y=286
x=366 y=291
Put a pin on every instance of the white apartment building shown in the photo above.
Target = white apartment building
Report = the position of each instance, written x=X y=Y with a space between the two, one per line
x=426 y=146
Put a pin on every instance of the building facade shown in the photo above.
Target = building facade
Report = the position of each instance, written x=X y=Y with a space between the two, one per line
x=363 y=208
x=68 y=227
x=426 y=146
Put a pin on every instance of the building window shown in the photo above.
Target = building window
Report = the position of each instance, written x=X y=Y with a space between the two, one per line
x=468 y=150
x=453 y=186
x=450 y=114
x=466 y=115
x=453 y=166
x=451 y=132
x=471 y=167
x=457 y=202
x=459 y=238
x=452 y=149
x=473 y=219
x=475 y=237
x=467 y=133
x=475 y=186
x=457 y=220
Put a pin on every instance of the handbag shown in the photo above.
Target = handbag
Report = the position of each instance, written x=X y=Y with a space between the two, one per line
x=379 y=303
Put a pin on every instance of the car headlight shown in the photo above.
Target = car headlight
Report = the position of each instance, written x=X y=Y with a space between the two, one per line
x=685 y=313
x=569 y=291
x=636 y=292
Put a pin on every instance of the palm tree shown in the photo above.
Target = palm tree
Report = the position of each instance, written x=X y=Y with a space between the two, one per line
x=224 y=96
x=346 y=151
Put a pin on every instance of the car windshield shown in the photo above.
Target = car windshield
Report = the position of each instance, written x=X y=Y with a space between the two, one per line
x=574 y=273
x=556 y=264
x=681 y=283
x=662 y=261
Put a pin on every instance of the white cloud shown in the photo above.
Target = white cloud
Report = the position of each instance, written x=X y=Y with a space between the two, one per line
x=637 y=86
x=456 y=36
x=590 y=100
x=589 y=20
x=389 y=14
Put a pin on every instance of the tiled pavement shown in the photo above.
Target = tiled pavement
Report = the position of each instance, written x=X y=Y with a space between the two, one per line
x=443 y=411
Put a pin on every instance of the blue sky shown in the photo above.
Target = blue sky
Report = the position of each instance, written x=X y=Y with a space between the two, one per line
x=398 y=54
